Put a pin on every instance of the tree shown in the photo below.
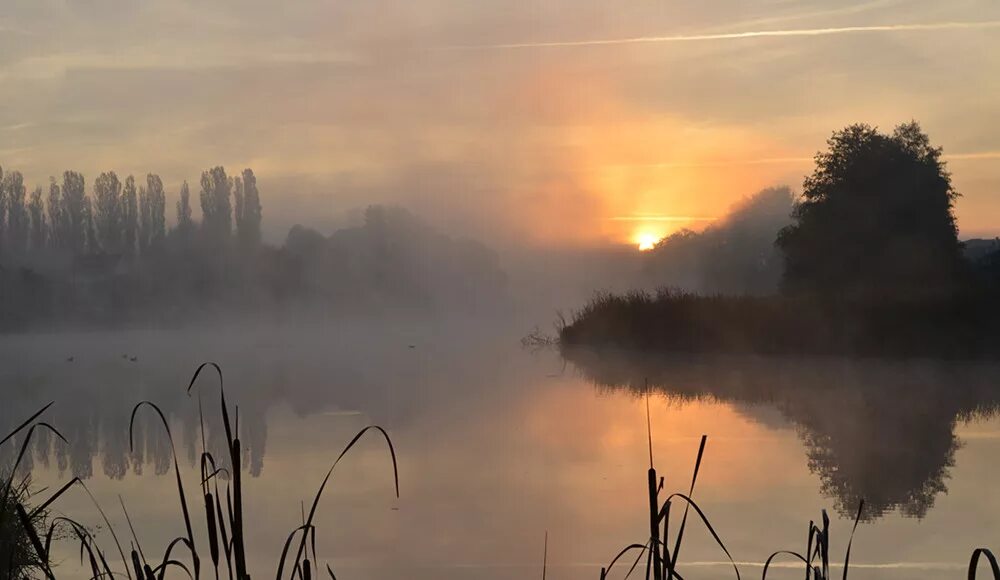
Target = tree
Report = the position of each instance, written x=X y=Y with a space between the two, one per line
x=56 y=226
x=238 y=207
x=875 y=219
x=17 y=212
x=184 y=221
x=217 y=215
x=75 y=212
x=39 y=229
x=3 y=212
x=248 y=210
x=130 y=216
x=157 y=208
x=92 y=241
x=107 y=211
x=145 y=220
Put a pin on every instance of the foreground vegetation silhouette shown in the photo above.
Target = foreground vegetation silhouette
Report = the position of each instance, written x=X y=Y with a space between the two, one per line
x=224 y=516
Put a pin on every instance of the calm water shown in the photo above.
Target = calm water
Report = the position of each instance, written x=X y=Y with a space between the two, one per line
x=497 y=446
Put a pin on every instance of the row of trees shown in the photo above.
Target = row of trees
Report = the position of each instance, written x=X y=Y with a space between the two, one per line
x=121 y=217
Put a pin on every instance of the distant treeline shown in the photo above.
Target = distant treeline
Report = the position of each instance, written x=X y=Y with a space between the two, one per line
x=866 y=261
x=105 y=255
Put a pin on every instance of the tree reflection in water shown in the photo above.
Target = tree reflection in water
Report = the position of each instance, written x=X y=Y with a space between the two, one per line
x=879 y=430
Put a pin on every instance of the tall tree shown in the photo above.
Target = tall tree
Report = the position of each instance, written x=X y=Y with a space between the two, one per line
x=130 y=216
x=157 y=208
x=145 y=220
x=238 y=206
x=216 y=211
x=75 y=212
x=36 y=211
x=56 y=226
x=250 y=213
x=3 y=212
x=107 y=211
x=185 y=223
x=17 y=212
x=875 y=218
x=92 y=241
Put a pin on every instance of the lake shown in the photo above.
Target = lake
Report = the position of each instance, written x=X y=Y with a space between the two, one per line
x=498 y=446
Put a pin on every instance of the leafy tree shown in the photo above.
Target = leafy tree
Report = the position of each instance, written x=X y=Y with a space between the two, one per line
x=75 y=212
x=184 y=221
x=216 y=211
x=130 y=216
x=145 y=219
x=56 y=226
x=875 y=219
x=249 y=211
x=17 y=212
x=92 y=241
x=3 y=211
x=107 y=211
x=238 y=206
x=157 y=208
x=36 y=210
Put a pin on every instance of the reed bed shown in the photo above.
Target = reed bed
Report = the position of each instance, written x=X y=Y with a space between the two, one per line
x=960 y=326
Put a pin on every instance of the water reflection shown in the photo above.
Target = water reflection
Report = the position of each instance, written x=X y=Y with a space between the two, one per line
x=883 y=431
x=371 y=372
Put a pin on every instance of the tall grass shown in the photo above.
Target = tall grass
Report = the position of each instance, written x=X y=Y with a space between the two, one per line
x=223 y=503
x=662 y=560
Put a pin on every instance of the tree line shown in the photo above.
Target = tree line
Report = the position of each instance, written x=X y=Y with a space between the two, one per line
x=121 y=217
x=102 y=253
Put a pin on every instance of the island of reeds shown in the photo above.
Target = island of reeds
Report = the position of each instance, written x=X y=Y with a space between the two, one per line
x=869 y=262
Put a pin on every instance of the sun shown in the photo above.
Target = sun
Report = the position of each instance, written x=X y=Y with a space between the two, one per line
x=646 y=240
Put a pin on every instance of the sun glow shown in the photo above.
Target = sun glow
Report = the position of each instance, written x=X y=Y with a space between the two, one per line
x=646 y=240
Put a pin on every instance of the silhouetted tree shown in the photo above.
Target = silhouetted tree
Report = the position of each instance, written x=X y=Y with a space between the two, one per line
x=56 y=226
x=75 y=212
x=17 y=212
x=157 y=208
x=145 y=220
x=238 y=207
x=130 y=216
x=733 y=255
x=216 y=211
x=107 y=211
x=36 y=210
x=184 y=221
x=875 y=218
x=92 y=242
x=3 y=212
x=249 y=215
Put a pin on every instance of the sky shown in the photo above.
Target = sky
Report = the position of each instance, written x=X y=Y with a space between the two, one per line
x=560 y=123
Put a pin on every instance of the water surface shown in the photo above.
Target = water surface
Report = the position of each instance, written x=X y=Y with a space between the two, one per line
x=496 y=446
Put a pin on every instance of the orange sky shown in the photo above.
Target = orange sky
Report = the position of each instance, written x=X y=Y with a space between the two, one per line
x=557 y=123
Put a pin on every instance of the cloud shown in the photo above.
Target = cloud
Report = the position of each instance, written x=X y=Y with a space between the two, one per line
x=795 y=32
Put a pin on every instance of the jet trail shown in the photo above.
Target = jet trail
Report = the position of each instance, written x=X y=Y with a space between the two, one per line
x=739 y=35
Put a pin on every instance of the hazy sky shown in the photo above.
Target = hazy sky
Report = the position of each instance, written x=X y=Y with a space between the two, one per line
x=554 y=122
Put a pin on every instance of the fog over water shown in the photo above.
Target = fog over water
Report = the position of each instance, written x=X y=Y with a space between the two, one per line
x=498 y=445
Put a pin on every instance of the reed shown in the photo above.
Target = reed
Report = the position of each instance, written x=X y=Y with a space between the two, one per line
x=225 y=526
x=30 y=532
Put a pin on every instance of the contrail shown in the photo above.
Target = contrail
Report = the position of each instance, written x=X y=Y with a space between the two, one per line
x=738 y=35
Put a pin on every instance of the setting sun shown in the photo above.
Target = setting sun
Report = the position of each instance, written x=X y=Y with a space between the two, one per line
x=646 y=240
